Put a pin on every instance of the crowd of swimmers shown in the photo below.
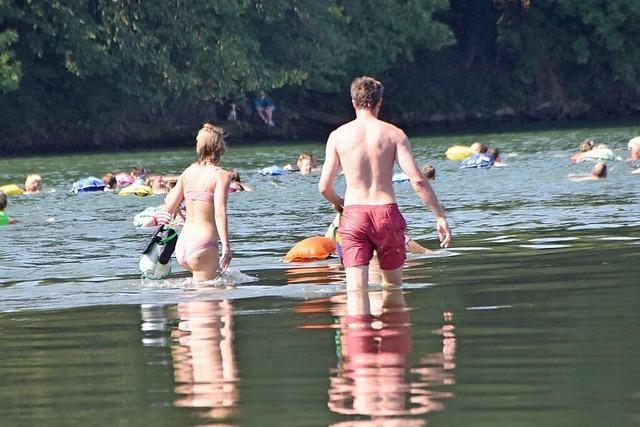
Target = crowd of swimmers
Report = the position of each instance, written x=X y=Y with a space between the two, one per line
x=364 y=150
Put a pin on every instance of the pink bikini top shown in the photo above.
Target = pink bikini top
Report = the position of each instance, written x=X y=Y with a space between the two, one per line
x=204 y=195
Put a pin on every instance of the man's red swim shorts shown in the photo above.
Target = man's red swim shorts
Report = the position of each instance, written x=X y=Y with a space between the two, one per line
x=365 y=228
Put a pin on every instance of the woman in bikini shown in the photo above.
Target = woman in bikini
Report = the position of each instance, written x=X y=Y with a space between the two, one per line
x=203 y=187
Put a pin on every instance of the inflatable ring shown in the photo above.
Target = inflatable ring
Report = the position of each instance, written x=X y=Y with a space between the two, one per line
x=600 y=152
x=87 y=184
x=11 y=190
x=136 y=190
x=272 y=170
x=311 y=249
x=458 y=152
x=399 y=178
x=477 y=161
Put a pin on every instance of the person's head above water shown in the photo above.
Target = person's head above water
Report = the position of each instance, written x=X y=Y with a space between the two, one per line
x=306 y=163
x=210 y=145
x=33 y=183
x=599 y=170
x=110 y=181
x=587 y=145
x=366 y=93
x=428 y=171
x=494 y=153
x=3 y=200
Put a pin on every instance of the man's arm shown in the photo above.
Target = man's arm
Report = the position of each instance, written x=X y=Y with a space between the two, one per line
x=329 y=172
x=422 y=187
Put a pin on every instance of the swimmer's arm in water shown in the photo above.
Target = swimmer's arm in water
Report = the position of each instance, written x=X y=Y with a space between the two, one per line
x=220 y=197
x=329 y=171
x=174 y=198
x=421 y=186
x=416 y=248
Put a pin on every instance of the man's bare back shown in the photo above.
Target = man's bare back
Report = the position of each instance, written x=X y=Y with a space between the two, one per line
x=366 y=148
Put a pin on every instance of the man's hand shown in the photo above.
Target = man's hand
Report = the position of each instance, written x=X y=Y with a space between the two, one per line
x=444 y=233
x=339 y=207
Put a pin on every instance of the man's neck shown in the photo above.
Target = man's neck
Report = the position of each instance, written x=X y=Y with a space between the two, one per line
x=364 y=113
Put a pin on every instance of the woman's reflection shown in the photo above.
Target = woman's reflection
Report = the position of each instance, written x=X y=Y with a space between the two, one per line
x=204 y=363
x=374 y=372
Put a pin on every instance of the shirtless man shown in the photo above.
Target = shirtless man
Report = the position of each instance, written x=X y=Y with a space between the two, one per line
x=367 y=148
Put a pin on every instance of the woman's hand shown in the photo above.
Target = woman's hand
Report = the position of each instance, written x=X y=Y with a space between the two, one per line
x=225 y=258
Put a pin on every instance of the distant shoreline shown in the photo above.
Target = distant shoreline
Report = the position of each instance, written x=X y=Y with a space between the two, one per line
x=245 y=133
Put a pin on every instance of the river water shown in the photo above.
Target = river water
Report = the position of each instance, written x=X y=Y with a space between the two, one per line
x=529 y=318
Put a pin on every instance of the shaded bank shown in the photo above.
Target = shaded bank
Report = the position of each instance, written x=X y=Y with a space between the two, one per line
x=290 y=128
x=101 y=75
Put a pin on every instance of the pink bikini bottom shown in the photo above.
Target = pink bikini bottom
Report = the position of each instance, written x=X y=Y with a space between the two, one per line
x=187 y=245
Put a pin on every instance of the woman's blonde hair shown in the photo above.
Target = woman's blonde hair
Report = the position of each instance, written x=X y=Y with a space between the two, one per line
x=210 y=145
x=307 y=156
x=33 y=183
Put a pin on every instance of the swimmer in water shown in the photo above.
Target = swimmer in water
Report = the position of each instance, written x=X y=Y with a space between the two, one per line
x=33 y=184
x=598 y=171
x=157 y=184
x=305 y=164
x=585 y=146
x=237 y=184
x=494 y=153
x=4 y=218
x=428 y=171
x=204 y=188
x=110 y=182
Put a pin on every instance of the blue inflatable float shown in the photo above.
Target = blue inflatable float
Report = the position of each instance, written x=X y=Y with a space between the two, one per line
x=87 y=184
x=399 y=178
x=478 y=161
x=272 y=170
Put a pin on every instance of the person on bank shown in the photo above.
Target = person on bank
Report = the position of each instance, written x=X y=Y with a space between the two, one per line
x=367 y=149
x=204 y=188
x=264 y=108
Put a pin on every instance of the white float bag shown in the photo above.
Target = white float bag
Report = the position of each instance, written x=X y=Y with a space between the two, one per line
x=155 y=262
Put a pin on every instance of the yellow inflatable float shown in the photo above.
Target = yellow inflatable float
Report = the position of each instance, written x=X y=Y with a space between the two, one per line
x=11 y=190
x=136 y=190
x=458 y=152
x=311 y=249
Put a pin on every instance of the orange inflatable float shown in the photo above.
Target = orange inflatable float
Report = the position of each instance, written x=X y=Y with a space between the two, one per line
x=311 y=249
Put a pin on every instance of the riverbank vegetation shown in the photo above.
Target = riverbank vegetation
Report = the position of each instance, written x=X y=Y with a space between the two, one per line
x=110 y=74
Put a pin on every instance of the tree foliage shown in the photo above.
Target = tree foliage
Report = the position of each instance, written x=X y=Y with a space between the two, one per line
x=94 y=67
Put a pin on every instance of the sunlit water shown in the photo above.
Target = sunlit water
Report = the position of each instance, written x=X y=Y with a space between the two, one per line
x=529 y=318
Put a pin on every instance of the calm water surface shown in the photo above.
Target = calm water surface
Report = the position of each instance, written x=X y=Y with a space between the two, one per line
x=529 y=319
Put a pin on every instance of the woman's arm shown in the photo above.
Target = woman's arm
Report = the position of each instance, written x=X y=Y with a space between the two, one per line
x=174 y=198
x=220 y=197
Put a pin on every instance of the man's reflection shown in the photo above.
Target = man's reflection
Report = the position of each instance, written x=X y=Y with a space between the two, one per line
x=204 y=363
x=374 y=372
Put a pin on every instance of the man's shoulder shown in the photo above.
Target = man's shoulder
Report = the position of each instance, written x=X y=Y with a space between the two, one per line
x=394 y=133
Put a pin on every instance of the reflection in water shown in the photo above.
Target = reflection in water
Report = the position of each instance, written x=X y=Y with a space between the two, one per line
x=374 y=375
x=204 y=364
x=318 y=274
